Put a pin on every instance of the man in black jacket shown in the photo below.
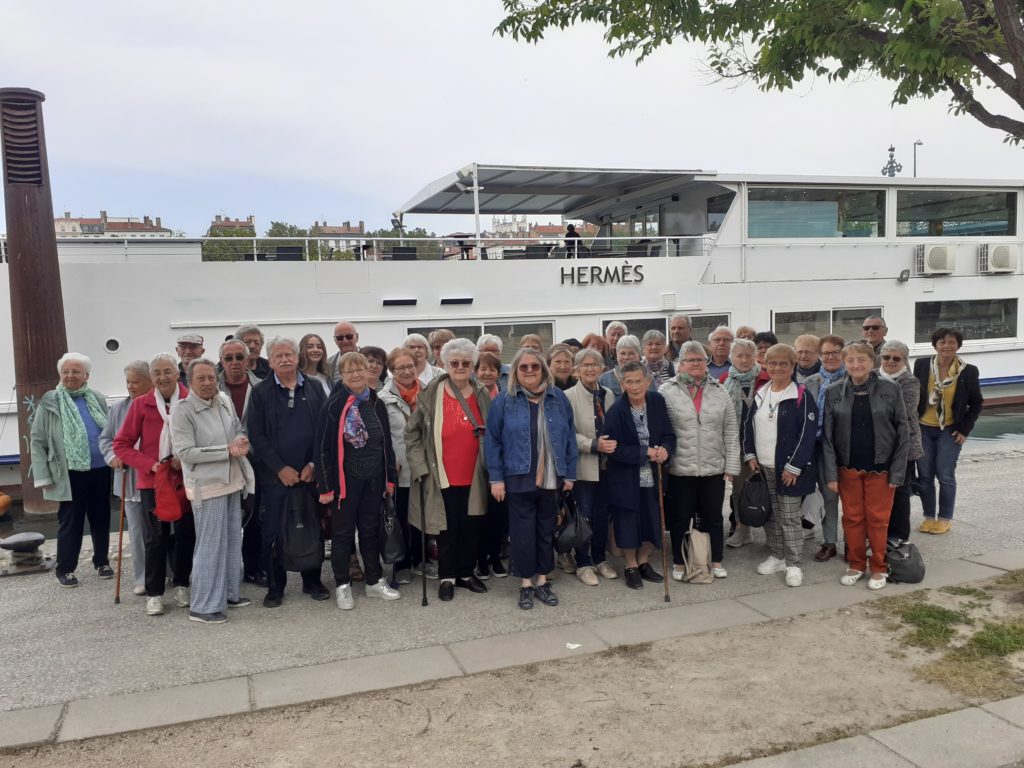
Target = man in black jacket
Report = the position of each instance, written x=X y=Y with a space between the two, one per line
x=283 y=413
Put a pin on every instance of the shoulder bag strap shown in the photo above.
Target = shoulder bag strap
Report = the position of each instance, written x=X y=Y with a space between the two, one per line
x=477 y=429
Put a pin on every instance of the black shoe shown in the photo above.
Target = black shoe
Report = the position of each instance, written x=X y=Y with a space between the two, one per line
x=649 y=574
x=272 y=600
x=633 y=579
x=105 y=572
x=483 y=571
x=543 y=593
x=526 y=598
x=473 y=584
x=498 y=569
x=208 y=618
x=239 y=603
x=446 y=591
x=67 y=580
x=317 y=591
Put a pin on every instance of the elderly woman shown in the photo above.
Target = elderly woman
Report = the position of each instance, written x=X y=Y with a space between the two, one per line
x=138 y=383
x=950 y=403
x=779 y=436
x=444 y=443
x=638 y=423
x=377 y=362
x=494 y=345
x=830 y=351
x=598 y=342
x=614 y=331
x=807 y=360
x=657 y=363
x=437 y=339
x=707 y=453
x=561 y=363
x=142 y=443
x=764 y=341
x=417 y=344
x=531 y=457
x=313 y=360
x=590 y=403
x=531 y=341
x=746 y=332
x=207 y=437
x=895 y=367
x=627 y=351
x=68 y=465
x=488 y=371
x=356 y=467
x=865 y=442
x=744 y=377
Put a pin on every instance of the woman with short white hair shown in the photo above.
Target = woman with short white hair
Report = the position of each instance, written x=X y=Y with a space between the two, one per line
x=627 y=350
x=417 y=344
x=895 y=367
x=68 y=465
x=657 y=363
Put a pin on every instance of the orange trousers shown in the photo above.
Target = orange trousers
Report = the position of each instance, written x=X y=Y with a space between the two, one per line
x=867 y=503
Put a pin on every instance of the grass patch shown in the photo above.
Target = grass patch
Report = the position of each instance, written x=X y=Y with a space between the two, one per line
x=996 y=640
x=933 y=626
x=1011 y=579
x=980 y=594
x=979 y=678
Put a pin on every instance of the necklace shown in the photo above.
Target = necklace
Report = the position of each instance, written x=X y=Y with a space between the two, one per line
x=773 y=407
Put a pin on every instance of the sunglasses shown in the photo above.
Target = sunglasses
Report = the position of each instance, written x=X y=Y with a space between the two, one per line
x=344 y=336
x=872 y=327
x=892 y=358
x=529 y=367
x=234 y=358
x=467 y=364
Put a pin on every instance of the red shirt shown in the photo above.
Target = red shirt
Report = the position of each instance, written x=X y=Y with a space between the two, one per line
x=143 y=425
x=459 y=446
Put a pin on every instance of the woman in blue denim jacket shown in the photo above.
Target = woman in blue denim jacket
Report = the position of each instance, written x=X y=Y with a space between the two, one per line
x=531 y=458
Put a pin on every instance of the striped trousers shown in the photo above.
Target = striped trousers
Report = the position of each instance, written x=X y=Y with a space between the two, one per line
x=217 y=563
x=783 y=532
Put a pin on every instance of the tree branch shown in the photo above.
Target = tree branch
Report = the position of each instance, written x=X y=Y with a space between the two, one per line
x=1008 y=16
x=965 y=99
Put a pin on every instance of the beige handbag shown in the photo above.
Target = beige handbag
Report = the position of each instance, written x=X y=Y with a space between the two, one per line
x=697 y=557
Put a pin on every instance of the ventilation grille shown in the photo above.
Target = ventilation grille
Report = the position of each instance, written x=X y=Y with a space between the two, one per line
x=983 y=258
x=19 y=125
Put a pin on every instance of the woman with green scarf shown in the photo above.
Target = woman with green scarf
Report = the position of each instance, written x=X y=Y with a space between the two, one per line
x=68 y=465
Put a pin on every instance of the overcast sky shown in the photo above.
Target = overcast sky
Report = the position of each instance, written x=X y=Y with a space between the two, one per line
x=344 y=110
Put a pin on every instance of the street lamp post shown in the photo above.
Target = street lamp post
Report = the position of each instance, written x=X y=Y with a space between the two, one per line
x=917 y=144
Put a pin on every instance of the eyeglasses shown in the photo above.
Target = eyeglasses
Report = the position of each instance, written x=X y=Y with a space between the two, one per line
x=529 y=367
x=360 y=369
x=234 y=358
x=415 y=346
x=779 y=364
x=892 y=358
x=872 y=327
x=460 y=364
x=344 y=336
x=694 y=360
x=403 y=368
x=837 y=353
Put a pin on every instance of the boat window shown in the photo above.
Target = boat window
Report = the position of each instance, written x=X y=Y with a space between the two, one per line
x=511 y=333
x=955 y=213
x=636 y=226
x=848 y=322
x=701 y=326
x=975 y=318
x=845 y=322
x=806 y=212
x=620 y=228
x=718 y=206
x=651 y=222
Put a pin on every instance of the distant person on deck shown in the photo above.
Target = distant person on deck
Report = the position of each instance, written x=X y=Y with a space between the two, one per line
x=252 y=337
x=720 y=340
x=573 y=240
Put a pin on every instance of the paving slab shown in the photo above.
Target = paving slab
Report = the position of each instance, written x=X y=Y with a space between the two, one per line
x=796 y=601
x=945 y=573
x=87 y=718
x=526 y=647
x=674 y=622
x=970 y=738
x=28 y=727
x=1007 y=559
x=1008 y=709
x=341 y=678
x=855 y=752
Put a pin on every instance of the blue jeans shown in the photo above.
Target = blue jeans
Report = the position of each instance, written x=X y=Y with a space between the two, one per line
x=941 y=452
x=592 y=503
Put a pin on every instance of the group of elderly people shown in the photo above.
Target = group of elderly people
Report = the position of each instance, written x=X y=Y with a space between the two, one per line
x=478 y=456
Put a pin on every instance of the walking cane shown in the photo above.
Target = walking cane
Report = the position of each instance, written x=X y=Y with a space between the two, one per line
x=666 y=543
x=423 y=538
x=120 y=536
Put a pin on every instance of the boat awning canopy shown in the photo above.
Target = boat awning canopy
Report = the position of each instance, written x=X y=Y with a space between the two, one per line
x=534 y=190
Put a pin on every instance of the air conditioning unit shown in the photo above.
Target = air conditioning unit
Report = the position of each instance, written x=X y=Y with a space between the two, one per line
x=934 y=260
x=997 y=259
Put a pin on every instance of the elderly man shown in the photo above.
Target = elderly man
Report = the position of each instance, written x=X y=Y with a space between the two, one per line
x=282 y=419
x=679 y=332
x=236 y=381
x=346 y=337
x=720 y=340
x=493 y=344
x=251 y=335
x=807 y=362
x=189 y=348
x=874 y=331
x=615 y=331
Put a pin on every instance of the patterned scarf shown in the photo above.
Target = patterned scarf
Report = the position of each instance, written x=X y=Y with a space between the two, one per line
x=356 y=433
x=410 y=394
x=545 y=477
x=827 y=380
x=661 y=371
x=76 y=439
x=935 y=397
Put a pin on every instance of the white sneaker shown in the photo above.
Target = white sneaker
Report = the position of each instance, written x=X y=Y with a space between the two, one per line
x=851 y=577
x=739 y=538
x=794 y=576
x=677 y=574
x=154 y=606
x=719 y=572
x=182 y=597
x=588 y=575
x=383 y=591
x=877 y=581
x=771 y=565
x=344 y=598
x=139 y=589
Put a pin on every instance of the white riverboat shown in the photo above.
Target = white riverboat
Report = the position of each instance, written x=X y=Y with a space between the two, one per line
x=793 y=254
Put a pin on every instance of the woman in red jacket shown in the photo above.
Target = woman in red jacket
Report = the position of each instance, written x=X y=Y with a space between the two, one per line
x=143 y=441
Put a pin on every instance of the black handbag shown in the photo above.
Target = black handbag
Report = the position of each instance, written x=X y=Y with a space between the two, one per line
x=302 y=547
x=906 y=565
x=392 y=540
x=574 y=531
x=755 y=504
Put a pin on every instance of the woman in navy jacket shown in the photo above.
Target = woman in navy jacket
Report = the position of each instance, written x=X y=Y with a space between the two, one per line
x=779 y=436
x=638 y=422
